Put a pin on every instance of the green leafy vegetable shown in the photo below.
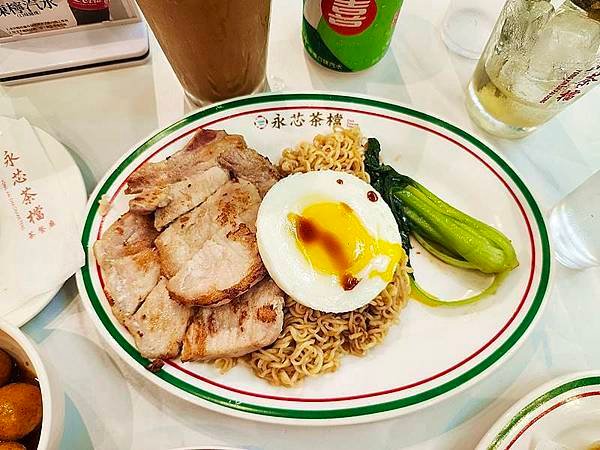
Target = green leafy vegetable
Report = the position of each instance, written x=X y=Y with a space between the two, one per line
x=447 y=233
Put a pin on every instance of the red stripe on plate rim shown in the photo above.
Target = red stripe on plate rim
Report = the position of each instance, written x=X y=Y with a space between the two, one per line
x=372 y=394
x=548 y=411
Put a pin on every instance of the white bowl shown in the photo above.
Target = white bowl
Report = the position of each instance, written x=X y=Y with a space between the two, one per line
x=19 y=346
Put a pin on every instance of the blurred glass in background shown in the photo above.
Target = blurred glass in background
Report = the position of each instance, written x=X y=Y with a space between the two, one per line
x=575 y=226
x=467 y=25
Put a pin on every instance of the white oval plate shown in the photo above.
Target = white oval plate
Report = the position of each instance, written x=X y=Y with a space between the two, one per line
x=563 y=414
x=72 y=181
x=432 y=353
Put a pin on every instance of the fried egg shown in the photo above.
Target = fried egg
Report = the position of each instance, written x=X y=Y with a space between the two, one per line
x=328 y=240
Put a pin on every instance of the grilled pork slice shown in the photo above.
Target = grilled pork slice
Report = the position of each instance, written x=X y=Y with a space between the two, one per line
x=175 y=199
x=197 y=189
x=233 y=203
x=128 y=235
x=130 y=266
x=247 y=164
x=226 y=266
x=151 y=199
x=244 y=325
x=159 y=325
x=178 y=188
x=147 y=201
x=197 y=156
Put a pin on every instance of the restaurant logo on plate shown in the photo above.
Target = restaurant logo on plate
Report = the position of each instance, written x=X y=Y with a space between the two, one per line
x=349 y=17
x=292 y=118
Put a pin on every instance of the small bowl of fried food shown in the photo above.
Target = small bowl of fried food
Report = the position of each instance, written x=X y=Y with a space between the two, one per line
x=31 y=403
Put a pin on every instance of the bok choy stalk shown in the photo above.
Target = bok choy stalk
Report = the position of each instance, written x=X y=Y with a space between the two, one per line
x=449 y=234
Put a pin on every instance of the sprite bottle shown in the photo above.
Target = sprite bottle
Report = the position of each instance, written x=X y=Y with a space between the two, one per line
x=348 y=35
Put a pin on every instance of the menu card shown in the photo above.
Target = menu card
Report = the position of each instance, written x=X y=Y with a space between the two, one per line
x=31 y=16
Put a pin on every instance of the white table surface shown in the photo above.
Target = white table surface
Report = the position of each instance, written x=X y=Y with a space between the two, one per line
x=100 y=116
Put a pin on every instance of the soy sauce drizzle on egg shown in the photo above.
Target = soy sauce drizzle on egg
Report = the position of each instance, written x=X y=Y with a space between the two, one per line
x=334 y=240
x=309 y=233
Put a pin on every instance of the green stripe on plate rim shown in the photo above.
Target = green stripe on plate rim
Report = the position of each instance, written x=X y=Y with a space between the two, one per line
x=329 y=413
x=539 y=402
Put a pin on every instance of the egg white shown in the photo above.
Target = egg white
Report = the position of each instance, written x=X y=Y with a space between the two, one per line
x=283 y=258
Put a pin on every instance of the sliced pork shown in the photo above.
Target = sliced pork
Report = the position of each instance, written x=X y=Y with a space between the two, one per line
x=244 y=325
x=189 y=194
x=197 y=156
x=184 y=180
x=247 y=164
x=129 y=263
x=226 y=266
x=198 y=286
x=159 y=325
x=232 y=204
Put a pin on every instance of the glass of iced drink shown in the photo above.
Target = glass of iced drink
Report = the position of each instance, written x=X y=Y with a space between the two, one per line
x=539 y=59
x=217 y=48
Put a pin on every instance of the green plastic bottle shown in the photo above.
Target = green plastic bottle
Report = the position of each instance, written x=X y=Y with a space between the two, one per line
x=348 y=35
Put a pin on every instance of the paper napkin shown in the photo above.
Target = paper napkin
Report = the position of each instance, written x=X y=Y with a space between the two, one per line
x=40 y=245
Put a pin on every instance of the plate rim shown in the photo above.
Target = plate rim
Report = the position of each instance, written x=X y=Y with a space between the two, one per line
x=365 y=413
x=534 y=401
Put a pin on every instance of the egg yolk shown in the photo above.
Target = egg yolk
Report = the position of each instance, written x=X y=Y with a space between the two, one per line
x=334 y=240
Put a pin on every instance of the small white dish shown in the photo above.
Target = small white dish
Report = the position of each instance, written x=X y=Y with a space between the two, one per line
x=72 y=182
x=19 y=346
x=563 y=414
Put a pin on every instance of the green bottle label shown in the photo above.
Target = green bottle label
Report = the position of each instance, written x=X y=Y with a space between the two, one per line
x=348 y=35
